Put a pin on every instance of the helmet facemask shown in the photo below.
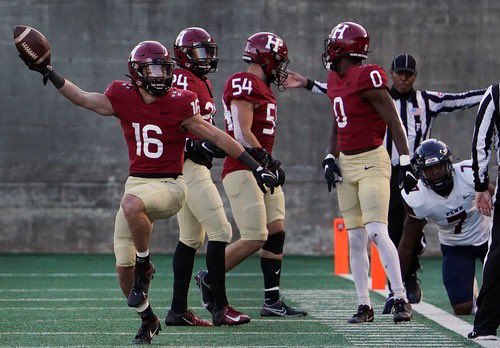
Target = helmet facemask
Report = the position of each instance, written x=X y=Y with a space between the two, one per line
x=436 y=174
x=202 y=58
x=155 y=78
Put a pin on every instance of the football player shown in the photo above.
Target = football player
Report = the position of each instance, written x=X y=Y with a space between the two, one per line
x=357 y=161
x=445 y=195
x=250 y=114
x=154 y=119
x=195 y=53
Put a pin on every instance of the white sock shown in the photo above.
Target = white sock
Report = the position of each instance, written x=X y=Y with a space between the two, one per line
x=142 y=253
x=379 y=234
x=358 y=255
x=142 y=307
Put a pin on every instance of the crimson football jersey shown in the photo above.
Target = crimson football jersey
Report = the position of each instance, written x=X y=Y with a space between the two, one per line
x=358 y=124
x=187 y=80
x=249 y=87
x=153 y=132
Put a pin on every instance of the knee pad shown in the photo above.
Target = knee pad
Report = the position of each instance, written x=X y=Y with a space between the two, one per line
x=275 y=242
x=377 y=229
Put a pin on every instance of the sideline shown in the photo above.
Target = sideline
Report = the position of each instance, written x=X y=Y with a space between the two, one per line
x=441 y=317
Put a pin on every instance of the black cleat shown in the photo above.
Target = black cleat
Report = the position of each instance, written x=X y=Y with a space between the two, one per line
x=188 y=318
x=207 y=296
x=474 y=335
x=402 y=311
x=413 y=290
x=280 y=309
x=389 y=304
x=147 y=331
x=229 y=316
x=139 y=292
x=363 y=315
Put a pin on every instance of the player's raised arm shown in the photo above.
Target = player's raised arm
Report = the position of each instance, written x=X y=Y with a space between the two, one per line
x=34 y=51
x=296 y=80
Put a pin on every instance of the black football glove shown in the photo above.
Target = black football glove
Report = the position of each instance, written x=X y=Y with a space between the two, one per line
x=204 y=148
x=42 y=69
x=265 y=178
x=259 y=154
x=407 y=177
x=275 y=167
x=332 y=172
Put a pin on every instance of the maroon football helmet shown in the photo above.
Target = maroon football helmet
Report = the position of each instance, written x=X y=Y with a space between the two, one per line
x=347 y=39
x=151 y=67
x=270 y=52
x=196 y=50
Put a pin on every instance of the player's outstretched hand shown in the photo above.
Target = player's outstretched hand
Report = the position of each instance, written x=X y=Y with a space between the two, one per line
x=265 y=179
x=332 y=172
x=483 y=202
x=275 y=167
x=42 y=69
x=294 y=80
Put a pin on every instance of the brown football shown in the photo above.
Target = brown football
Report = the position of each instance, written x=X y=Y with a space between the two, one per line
x=32 y=45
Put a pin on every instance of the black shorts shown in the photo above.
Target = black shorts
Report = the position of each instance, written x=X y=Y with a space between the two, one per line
x=459 y=270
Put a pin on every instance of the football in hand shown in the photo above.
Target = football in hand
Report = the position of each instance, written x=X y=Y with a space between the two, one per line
x=33 y=47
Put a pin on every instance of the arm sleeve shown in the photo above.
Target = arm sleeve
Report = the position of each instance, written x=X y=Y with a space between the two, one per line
x=482 y=138
x=441 y=103
x=316 y=86
x=412 y=202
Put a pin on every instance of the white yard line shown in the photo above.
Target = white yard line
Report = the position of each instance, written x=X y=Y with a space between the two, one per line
x=440 y=317
x=330 y=307
x=229 y=275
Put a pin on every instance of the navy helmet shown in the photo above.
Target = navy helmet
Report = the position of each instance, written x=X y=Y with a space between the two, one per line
x=433 y=159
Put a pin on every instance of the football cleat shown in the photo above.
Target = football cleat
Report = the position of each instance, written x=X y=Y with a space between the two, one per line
x=413 y=290
x=363 y=315
x=402 y=310
x=207 y=296
x=142 y=278
x=389 y=304
x=188 y=318
x=474 y=335
x=229 y=316
x=147 y=331
x=280 y=309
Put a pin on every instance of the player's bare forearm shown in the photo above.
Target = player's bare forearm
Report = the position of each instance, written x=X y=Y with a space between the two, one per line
x=93 y=101
x=250 y=139
x=382 y=102
x=242 y=112
x=332 y=148
x=412 y=232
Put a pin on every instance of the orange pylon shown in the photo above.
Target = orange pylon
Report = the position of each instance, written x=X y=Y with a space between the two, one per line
x=340 y=247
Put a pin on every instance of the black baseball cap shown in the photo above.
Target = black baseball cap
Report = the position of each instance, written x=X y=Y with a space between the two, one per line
x=404 y=62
